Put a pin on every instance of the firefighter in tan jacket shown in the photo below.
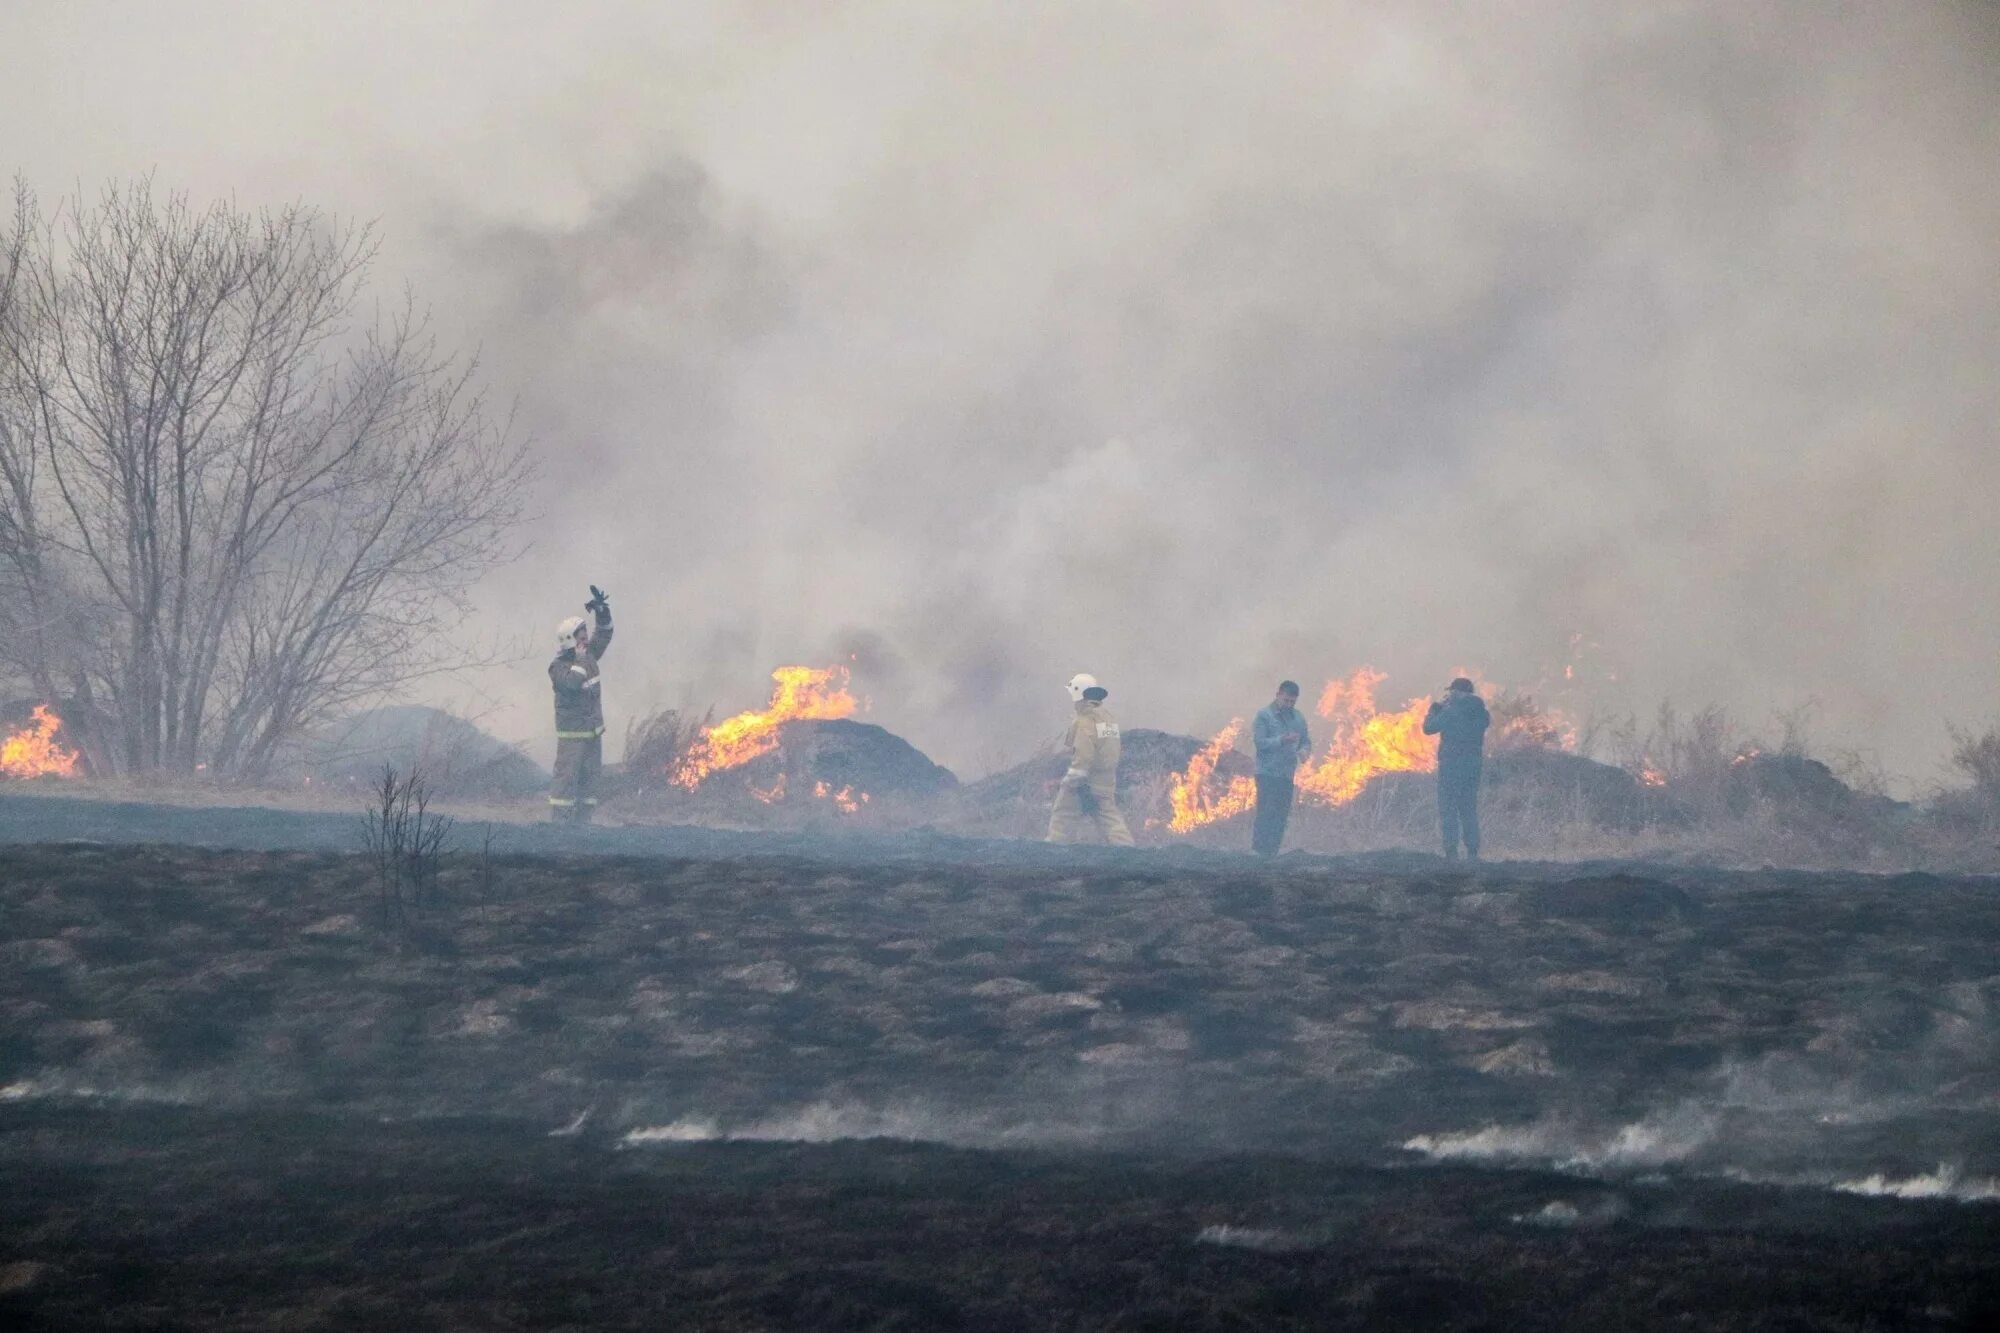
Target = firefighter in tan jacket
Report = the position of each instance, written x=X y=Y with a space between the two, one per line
x=579 y=711
x=1089 y=790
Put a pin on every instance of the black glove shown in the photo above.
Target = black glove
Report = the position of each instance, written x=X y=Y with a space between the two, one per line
x=599 y=604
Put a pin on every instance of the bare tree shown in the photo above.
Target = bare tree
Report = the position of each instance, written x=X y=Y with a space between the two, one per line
x=228 y=505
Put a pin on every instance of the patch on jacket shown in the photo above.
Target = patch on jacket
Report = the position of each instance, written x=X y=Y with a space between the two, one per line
x=1107 y=731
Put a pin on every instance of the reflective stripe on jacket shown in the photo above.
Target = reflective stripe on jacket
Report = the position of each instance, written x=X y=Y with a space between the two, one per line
x=573 y=673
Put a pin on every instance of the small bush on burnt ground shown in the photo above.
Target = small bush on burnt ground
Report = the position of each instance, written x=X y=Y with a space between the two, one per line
x=1977 y=756
x=1963 y=824
x=659 y=742
x=406 y=845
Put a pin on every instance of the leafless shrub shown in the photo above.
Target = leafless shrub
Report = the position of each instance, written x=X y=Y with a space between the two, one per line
x=1694 y=754
x=1861 y=770
x=406 y=844
x=1146 y=803
x=486 y=860
x=1701 y=745
x=656 y=744
x=1977 y=756
x=1599 y=732
x=1520 y=723
x=1795 y=727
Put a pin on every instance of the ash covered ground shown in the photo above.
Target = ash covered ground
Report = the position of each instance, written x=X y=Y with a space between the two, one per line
x=652 y=1078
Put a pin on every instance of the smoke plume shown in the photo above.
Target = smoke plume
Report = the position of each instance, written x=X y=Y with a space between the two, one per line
x=1194 y=346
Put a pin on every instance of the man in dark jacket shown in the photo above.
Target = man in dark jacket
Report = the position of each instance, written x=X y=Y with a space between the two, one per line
x=579 y=711
x=1459 y=721
x=1282 y=742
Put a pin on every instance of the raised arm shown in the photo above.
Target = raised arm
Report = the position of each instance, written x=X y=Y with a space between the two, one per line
x=599 y=605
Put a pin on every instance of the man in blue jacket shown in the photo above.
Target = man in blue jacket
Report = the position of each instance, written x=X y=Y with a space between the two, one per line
x=1282 y=743
x=1459 y=721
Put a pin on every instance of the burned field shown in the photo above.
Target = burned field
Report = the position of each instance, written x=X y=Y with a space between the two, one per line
x=921 y=1084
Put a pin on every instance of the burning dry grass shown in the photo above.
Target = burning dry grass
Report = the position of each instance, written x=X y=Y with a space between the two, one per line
x=1687 y=785
x=34 y=752
x=1192 y=795
x=806 y=773
x=1691 y=786
x=800 y=761
x=799 y=694
x=1362 y=742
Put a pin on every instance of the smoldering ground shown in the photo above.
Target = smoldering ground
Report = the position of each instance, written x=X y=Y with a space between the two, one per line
x=1758 y=1024
x=1195 y=346
x=1012 y=1089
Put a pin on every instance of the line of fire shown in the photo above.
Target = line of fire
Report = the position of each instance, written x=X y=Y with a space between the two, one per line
x=806 y=752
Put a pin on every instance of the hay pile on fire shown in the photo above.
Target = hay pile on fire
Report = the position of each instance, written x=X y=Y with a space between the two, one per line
x=802 y=758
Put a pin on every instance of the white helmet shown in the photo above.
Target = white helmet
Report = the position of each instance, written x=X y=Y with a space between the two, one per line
x=571 y=631
x=1080 y=682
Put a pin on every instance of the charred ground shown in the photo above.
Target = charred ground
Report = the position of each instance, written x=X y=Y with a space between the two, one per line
x=918 y=1082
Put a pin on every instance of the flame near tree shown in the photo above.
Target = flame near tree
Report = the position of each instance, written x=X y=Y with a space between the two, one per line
x=799 y=694
x=32 y=752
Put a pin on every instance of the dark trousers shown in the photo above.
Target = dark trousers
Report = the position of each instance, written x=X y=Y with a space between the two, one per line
x=1274 y=807
x=1458 y=810
x=578 y=759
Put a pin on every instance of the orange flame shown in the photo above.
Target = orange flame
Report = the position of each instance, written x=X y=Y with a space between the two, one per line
x=1650 y=775
x=772 y=794
x=1192 y=802
x=32 y=752
x=846 y=800
x=818 y=693
x=1365 y=742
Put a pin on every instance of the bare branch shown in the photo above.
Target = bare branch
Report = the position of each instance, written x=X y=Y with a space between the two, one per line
x=257 y=506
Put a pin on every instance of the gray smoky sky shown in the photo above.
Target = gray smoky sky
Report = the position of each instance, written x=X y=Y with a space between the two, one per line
x=1191 y=344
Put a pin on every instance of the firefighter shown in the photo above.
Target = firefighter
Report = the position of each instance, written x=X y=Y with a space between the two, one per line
x=1089 y=790
x=1459 y=721
x=579 y=710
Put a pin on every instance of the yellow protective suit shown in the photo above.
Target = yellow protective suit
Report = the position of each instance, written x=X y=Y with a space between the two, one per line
x=1094 y=746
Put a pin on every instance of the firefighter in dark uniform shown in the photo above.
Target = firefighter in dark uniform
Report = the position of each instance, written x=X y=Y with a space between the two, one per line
x=579 y=710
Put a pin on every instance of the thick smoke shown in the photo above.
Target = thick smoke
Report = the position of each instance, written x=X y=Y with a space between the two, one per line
x=1194 y=346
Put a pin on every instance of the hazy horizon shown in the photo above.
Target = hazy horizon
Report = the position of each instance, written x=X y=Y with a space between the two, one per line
x=1193 y=345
